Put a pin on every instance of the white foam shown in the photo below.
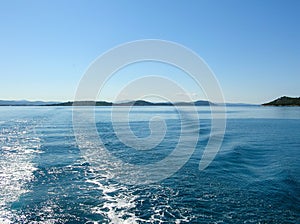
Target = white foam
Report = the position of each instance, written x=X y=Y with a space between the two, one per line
x=17 y=149
x=118 y=202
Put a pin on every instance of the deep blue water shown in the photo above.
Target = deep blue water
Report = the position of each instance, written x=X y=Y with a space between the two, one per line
x=45 y=178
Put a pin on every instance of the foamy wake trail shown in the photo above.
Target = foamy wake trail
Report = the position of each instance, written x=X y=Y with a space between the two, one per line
x=18 y=146
x=121 y=202
x=118 y=202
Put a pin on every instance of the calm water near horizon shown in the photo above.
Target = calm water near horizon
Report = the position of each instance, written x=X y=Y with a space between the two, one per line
x=255 y=177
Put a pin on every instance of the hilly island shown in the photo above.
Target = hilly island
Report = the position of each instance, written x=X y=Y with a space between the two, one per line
x=284 y=101
x=104 y=103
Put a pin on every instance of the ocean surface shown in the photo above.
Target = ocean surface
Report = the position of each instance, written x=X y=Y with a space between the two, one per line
x=46 y=178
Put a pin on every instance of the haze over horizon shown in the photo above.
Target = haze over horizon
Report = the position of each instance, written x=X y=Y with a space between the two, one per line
x=252 y=47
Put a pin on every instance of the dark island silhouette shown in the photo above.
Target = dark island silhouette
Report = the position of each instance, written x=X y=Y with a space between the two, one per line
x=284 y=101
x=132 y=103
x=103 y=103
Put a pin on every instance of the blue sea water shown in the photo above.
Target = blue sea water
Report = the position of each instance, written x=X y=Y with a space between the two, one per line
x=45 y=178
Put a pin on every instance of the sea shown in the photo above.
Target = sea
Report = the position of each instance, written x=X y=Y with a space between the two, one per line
x=48 y=174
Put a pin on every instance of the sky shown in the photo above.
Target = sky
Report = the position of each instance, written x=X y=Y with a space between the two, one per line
x=252 y=47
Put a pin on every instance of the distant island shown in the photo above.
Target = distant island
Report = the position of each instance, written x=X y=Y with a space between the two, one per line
x=25 y=103
x=103 y=103
x=132 y=103
x=284 y=101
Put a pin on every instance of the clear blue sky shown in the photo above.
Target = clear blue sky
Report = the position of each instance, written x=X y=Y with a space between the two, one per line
x=253 y=47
